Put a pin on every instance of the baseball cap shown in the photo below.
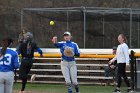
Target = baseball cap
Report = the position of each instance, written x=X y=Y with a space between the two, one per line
x=67 y=33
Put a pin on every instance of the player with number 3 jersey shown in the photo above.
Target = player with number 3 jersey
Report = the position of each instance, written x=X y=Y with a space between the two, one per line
x=8 y=62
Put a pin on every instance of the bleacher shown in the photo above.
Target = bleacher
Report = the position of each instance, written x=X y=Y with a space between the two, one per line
x=90 y=70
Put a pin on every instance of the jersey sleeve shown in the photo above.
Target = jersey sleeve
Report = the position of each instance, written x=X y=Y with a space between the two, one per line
x=58 y=44
x=38 y=49
x=126 y=53
x=16 y=61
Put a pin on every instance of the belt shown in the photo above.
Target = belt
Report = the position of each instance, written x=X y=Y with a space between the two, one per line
x=67 y=60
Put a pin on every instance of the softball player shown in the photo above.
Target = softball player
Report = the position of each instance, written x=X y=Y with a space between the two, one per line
x=26 y=50
x=69 y=50
x=8 y=62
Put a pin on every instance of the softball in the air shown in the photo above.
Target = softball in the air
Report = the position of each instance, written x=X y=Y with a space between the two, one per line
x=51 y=23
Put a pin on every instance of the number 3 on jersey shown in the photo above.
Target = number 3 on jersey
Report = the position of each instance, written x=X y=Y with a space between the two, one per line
x=6 y=60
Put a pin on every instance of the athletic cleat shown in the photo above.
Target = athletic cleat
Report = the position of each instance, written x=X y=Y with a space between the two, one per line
x=130 y=91
x=116 y=91
x=33 y=77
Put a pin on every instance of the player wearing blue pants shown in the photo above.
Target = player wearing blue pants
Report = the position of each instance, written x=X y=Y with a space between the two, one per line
x=8 y=62
x=69 y=50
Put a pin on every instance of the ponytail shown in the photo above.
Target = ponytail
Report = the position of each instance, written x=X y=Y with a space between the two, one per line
x=5 y=43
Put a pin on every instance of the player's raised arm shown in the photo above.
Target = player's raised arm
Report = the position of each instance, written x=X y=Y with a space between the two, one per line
x=54 y=39
x=56 y=43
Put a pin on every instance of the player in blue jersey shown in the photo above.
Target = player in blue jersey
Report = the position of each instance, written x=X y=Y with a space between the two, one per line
x=69 y=50
x=27 y=50
x=8 y=62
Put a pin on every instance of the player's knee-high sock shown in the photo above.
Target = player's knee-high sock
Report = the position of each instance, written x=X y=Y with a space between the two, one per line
x=24 y=81
x=69 y=88
x=77 y=88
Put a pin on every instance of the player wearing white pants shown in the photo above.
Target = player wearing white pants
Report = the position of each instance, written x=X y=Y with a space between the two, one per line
x=68 y=50
x=8 y=62
x=69 y=70
x=6 y=82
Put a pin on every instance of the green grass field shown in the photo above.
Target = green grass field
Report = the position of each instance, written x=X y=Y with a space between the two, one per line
x=61 y=88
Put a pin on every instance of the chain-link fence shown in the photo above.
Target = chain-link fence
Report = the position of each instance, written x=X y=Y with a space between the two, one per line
x=91 y=27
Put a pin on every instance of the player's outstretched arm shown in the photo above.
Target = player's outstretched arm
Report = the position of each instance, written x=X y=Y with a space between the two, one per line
x=56 y=43
x=54 y=39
